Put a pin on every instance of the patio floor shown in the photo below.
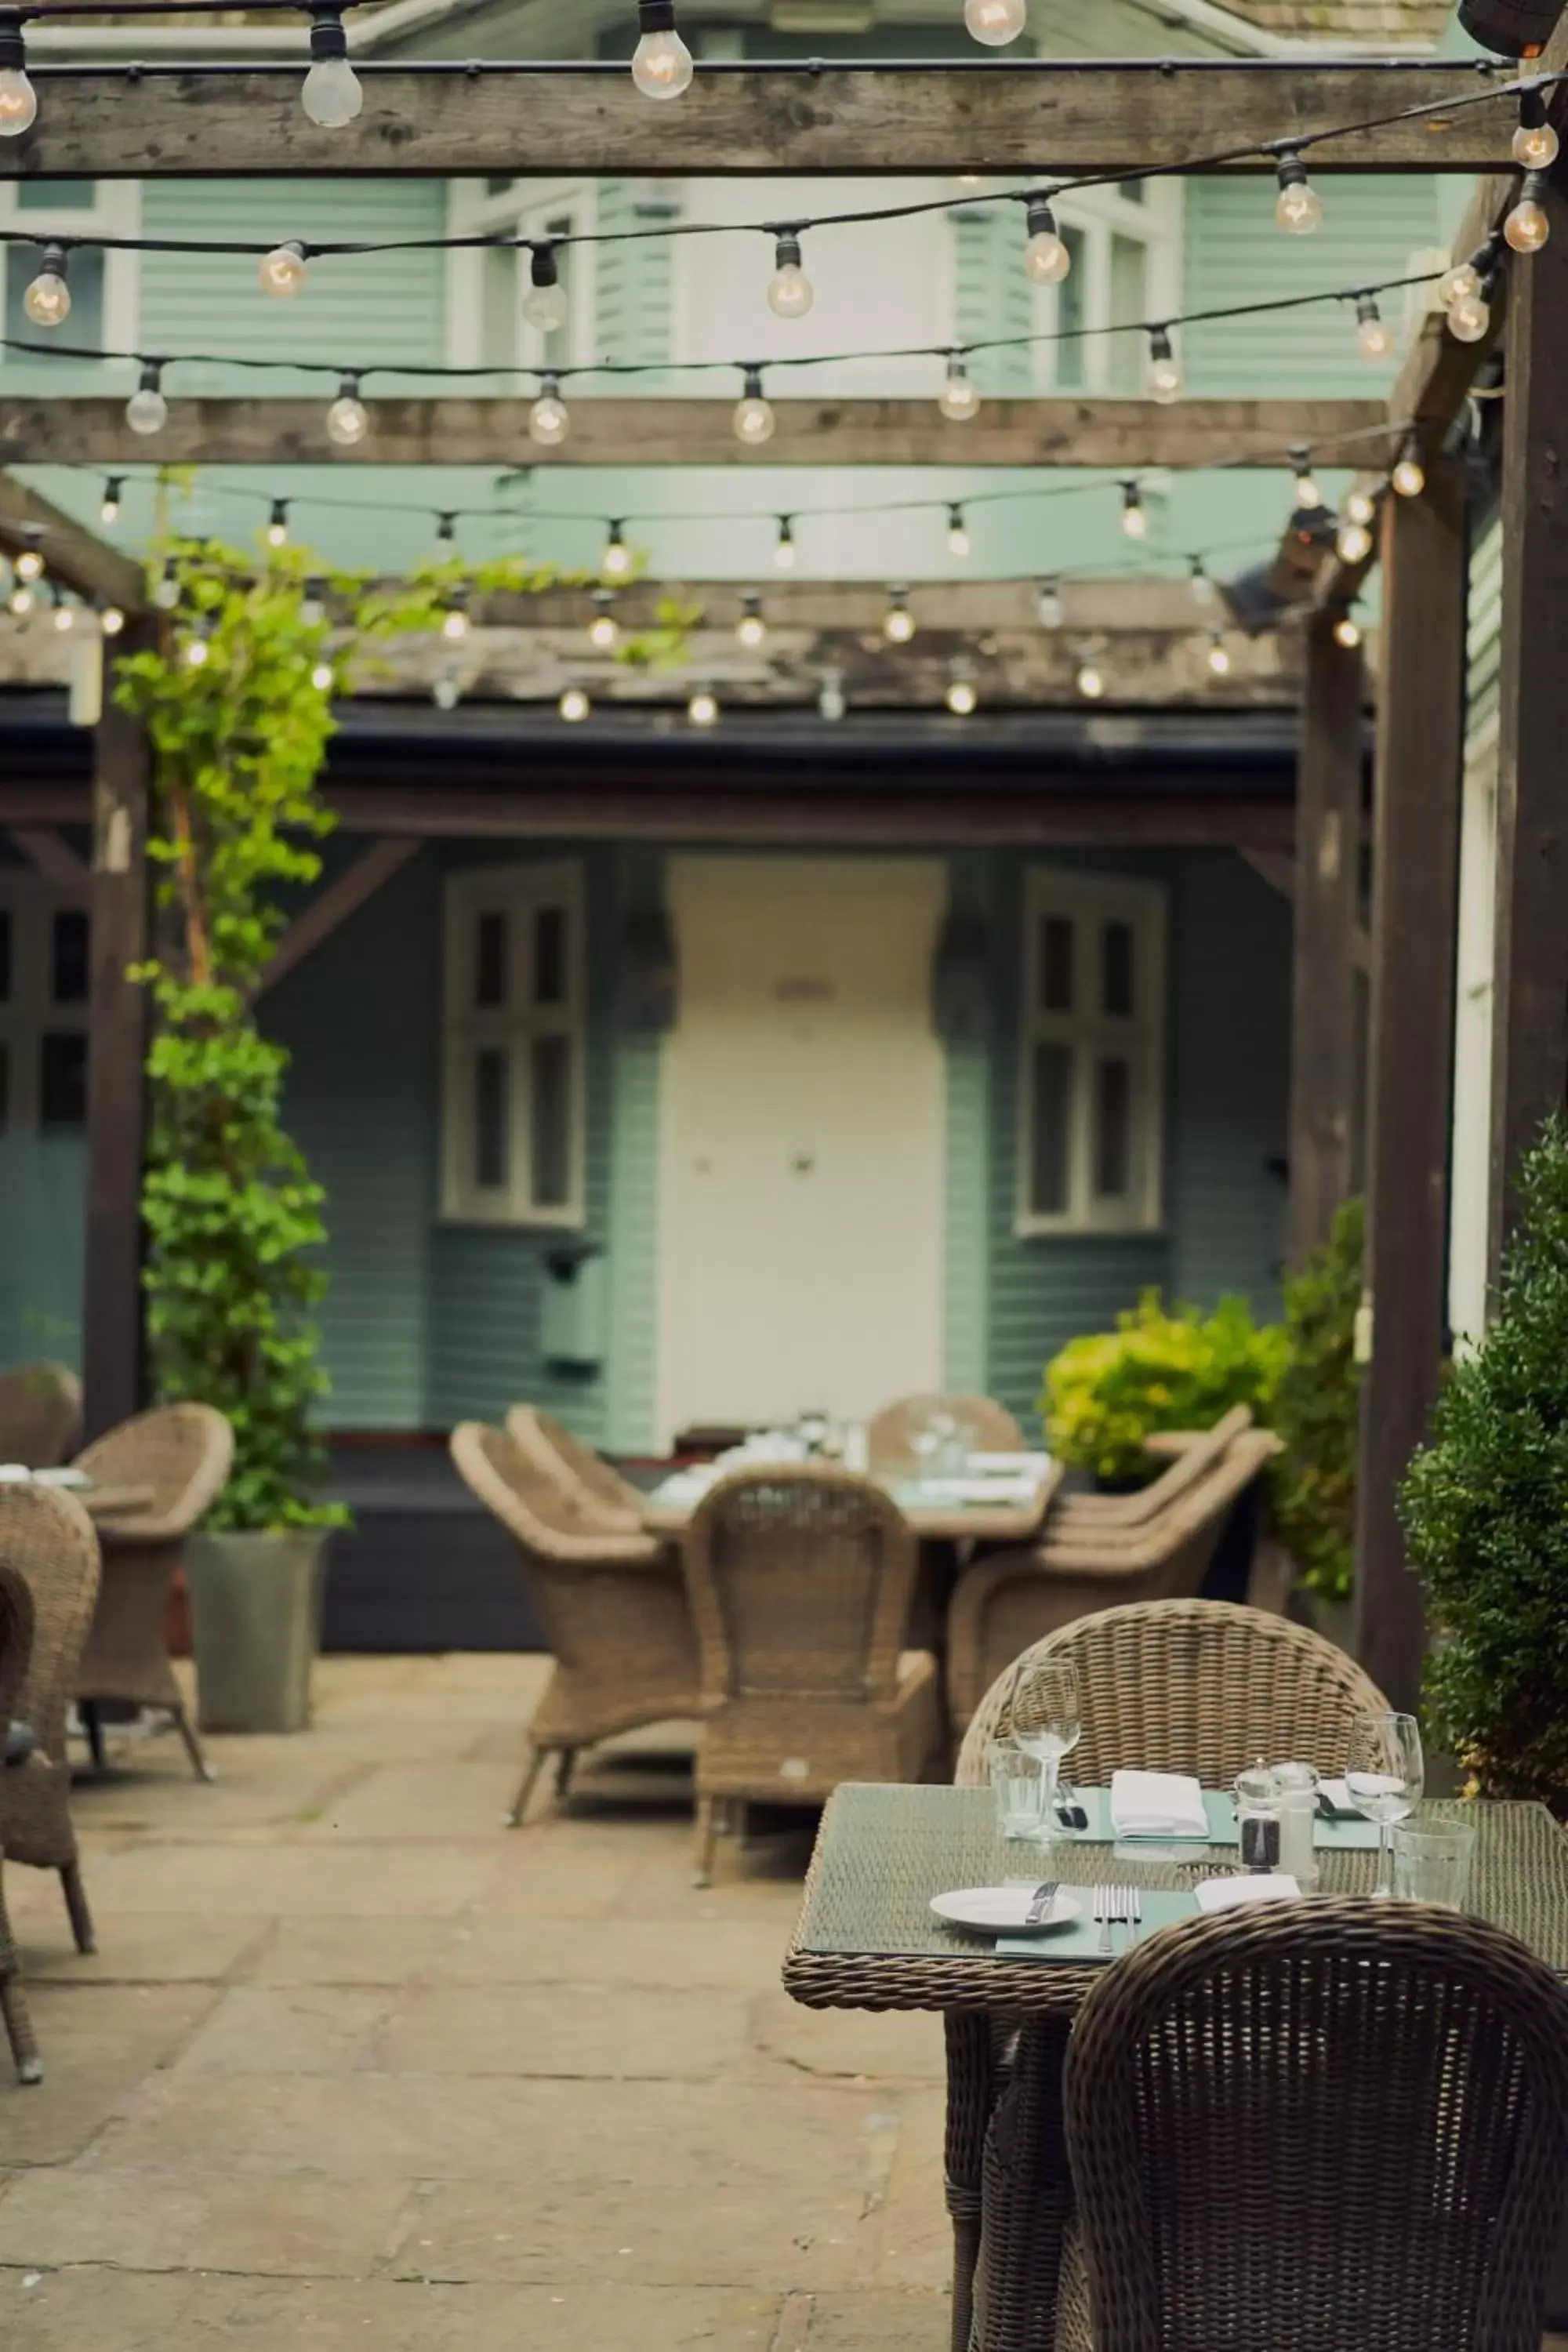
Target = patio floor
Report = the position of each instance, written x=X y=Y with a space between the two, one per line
x=357 y=2064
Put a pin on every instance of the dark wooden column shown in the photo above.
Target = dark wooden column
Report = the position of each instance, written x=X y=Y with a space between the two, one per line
x=1414 y=883
x=1529 y=1005
x=112 y=1314
x=1323 y=1056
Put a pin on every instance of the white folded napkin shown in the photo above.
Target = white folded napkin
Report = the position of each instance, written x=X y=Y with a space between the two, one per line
x=1157 y=1804
x=15 y=1474
x=1257 y=1886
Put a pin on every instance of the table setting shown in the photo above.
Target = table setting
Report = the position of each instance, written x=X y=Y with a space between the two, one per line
x=99 y=1501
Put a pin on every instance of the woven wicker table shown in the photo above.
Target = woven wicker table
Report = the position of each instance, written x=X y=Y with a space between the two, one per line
x=667 y=1512
x=866 y=1939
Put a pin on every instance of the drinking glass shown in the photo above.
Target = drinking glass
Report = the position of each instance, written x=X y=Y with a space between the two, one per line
x=1432 y=1858
x=1045 y=1717
x=1385 y=1778
x=1018 y=1784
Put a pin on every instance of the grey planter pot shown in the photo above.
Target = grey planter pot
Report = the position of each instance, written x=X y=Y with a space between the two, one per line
x=255 y=1620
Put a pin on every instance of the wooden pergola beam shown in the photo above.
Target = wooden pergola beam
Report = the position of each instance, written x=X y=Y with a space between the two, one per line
x=104 y=123
x=445 y=430
x=72 y=554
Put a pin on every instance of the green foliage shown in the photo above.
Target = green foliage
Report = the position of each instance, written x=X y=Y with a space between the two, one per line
x=1485 y=1508
x=1160 y=1368
x=1318 y=1411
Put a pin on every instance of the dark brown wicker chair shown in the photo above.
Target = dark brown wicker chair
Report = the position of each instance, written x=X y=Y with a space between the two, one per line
x=984 y=1426
x=1012 y=1598
x=183 y=1453
x=802 y=1581
x=40 y=1415
x=48 y=1540
x=16 y=1648
x=1201 y=1687
x=612 y=1606
x=602 y=1496
x=1321 y=2127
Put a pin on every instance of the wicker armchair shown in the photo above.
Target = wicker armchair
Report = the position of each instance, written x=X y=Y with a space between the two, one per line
x=602 y=1496
x=47 y=1541
x=1319 y=2127
x=802 y=1581
x=986 y=1427
x=16 y=1618
x=183 y=1453
x=1192 y=1465
x=612 y=1606
x=1009 y=1598
x=40 y=1415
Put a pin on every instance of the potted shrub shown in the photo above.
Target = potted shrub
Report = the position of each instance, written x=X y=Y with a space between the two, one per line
x=1317 y=1415
x=1106 y=1392
x=1485 y=1507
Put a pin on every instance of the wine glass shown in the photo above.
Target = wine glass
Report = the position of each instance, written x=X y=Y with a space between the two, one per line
x=1385 y=1777
x=1046 y=1721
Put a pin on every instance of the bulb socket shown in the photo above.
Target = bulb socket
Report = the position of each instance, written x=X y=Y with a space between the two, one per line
x=1042 y=221
x=542 y=270
x=152 y=376
x=13 y=42
x=1532 y=109
x=1160 y=344
x=328 y=42
x=54 y=261
x=446 y=530
x=1289 y=169
x=752 y=384
x=655 y=15
x=348 y=386
x=787 y=250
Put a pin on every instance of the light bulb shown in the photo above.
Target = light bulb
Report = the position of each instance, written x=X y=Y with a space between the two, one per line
x=1455 y=283
x=21 y=600
x=603 y=629
x=703 y=708
x=29 y=564
x=1219 y=658
x=348 y=421
x=995 y=22
x=784 y=552
x=1409 y=475
x=616 y=559
x=1470 y=318
x=544 y=305
x=1091 y=683
x=313 y=604
x=751 y=629
x=1535 y=143
x=754 y=418
x=1203 y=587
x=455 y=624
x=197 y=651
x=958 y=539
x=897 y=621
x=1527 y=226
x=324 y=678
x=18 y=100
x=1164 y=368
x=65 y=614
x=47 y=299
x=662 y=64
x=1047 y=258
x=958 y=401
x=1352 y=542
x=112 y=620
x=1359 y=506
x=1374 y=335
x=109 y=512
x=1048 y=604
x=1134 y=514
x=446 y=692
x=961 y=697
x=147 y=411
x=832 y=702
x=283 y=271
x=1307 y=492
x=790 y=291
x=574 y=706
x=1297 y=207
x=166 y=594
x=1347 y=633
x=277 y=528
x=550 y=419
x=332 y=96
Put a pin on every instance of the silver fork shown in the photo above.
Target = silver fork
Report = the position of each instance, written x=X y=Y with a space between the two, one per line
x=1135 y=1914
x=1104 y=1905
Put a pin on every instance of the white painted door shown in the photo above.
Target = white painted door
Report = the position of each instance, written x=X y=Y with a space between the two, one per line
x=801 y=1192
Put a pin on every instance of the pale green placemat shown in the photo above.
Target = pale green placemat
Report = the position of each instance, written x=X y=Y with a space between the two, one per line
x=1080 y=1942
x=1350 y=1832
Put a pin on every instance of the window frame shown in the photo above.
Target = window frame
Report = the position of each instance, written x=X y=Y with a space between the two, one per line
x=32 y=901
x=519 y=892
x=525 y=209
x=1089 y=900
x=115 y=211
x=1100 y=214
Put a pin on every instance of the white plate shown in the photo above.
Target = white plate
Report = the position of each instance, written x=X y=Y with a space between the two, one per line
x=71 y=1481
x=1002 y=1909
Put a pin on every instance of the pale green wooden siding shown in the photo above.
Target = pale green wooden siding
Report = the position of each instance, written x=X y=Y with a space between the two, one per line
x=994 y=299
x=632 y=286
x=42 y=1204
x=966 y=1234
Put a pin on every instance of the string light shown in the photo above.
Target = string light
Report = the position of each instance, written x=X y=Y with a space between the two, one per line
x=277 y=525
x=65 y=613
x=29 y=564
x=1048 y=604
x=348 y=419
x=616 y=559
x=1347 y=633
x=1527 y=226
x=166 y=594
x=1219 y=658
x=958 y=538
x=1535 y=142
x=1134 y=514
x=574 y=706
x=446 y=538
x=544 y=305
x=897 y=621
x=703 y=708
x=1047 y=258
x=1203 y=587
x=1470 y=315
x=754 y=419
x=1409 y=475
x=784 y=552
x=603 y=629
x=962 y=696
x=958 y=402
x=1164 y=368
x=332 y=96
x=47 y=299
x=21 y=600
x=832 y=701
x=1360 y=506
x=324 y=678
x=1090 y=681
x=550 y=419
x=109 y=512
x=454 y=621
x=1297 y=207
x=790 y=291
x=112 y=620
x=995 y=22
x=313 y=604
x=751 y=629
x=1374 y=335
x=283 y=272
x=662 y=64
x=1352 y=541
x=197 y=650
x=1307 y=492
x=147 y=411
x=18 y=100
x=1464 y=278
x=447 y=691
